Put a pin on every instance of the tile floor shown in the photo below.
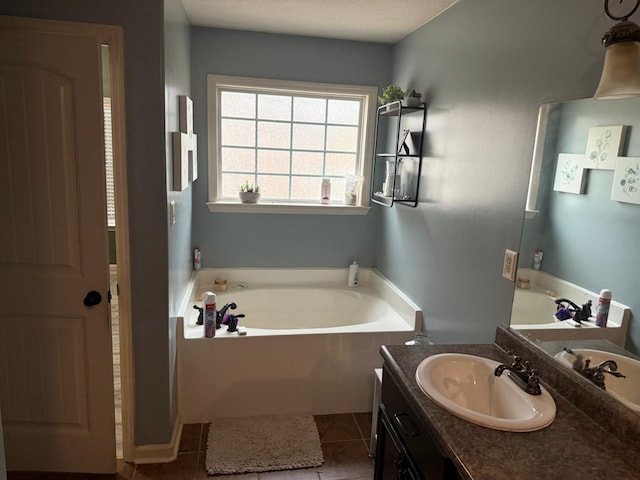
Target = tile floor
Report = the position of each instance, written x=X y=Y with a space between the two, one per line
x=344 y=439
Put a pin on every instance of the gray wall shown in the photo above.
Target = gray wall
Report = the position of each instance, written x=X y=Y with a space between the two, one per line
x=177 y=81
x=142 y=21
x=241 y=240
x=485 y=67
x=589 y=239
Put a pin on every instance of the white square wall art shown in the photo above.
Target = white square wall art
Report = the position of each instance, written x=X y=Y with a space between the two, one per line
x=181 y=146
x=570 y=173
x=626 y=180
x=604 y=145
x=185 y=108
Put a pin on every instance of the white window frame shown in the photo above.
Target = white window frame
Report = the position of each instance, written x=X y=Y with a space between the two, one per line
x=536 y=161
x=368 y=96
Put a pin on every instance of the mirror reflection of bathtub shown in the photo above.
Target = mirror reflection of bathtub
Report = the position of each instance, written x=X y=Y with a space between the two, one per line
x=533 y=310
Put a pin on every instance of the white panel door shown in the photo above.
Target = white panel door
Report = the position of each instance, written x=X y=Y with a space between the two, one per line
x=56 y=385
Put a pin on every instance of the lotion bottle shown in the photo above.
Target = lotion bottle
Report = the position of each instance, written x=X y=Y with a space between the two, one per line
x=352 y=279
x=325 y=196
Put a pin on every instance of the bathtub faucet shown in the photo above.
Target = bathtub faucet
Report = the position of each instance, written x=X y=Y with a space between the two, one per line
x=572 y=310
x=222 y=312
x=224 y=317
x=200 y=318
x=232 y=321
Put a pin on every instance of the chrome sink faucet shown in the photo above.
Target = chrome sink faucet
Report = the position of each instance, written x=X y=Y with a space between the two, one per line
x=522 y=375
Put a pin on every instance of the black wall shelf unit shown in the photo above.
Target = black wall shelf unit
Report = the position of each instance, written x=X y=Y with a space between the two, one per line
x=397 y=160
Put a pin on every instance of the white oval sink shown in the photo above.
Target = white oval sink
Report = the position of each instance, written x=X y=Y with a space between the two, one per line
x=466 y=386
x=626 y=390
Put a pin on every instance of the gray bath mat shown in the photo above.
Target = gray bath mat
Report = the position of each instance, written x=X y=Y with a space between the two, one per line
x=262 y=444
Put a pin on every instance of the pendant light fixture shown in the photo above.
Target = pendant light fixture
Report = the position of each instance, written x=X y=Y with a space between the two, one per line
x=621 y=70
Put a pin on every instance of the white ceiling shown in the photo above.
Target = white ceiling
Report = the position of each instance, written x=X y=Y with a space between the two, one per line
x=386 y=21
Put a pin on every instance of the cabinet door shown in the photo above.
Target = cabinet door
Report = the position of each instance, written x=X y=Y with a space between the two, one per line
x=392 y=462
x=411 y=435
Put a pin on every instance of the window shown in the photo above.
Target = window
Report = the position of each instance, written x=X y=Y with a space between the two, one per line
x=287 y=137
x=108 y=156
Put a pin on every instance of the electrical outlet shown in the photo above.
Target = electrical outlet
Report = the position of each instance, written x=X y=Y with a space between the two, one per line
x=510 y=265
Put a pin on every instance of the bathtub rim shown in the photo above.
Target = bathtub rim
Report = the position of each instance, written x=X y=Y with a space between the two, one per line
x=371 y=281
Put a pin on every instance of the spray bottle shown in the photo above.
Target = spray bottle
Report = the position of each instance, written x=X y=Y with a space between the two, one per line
x=602 y=310
x=209 y=314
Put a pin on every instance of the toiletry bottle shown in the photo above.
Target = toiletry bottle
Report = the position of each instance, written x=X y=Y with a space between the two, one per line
x=387 y=186
x=325 y=196
x=602 y=311
x=197 y=259
x=352 y=280
x=209 y=314
x=537 y=259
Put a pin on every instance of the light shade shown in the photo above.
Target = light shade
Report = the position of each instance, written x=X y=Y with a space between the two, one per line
x=621 y=72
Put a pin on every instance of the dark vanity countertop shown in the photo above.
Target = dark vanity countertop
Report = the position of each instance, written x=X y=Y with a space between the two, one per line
x=574 y=446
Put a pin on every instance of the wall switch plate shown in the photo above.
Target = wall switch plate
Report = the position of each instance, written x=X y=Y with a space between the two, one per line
x=510 y=265
x=172 y=212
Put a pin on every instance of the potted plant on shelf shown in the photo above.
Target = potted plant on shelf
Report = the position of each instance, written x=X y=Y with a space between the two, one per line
x=413 y=98
x=249 y=192
x=391 y=93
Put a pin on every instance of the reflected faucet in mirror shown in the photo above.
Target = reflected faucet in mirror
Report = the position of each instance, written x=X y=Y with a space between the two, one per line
x=572 y=311
x=595 y=374
x=573 y=354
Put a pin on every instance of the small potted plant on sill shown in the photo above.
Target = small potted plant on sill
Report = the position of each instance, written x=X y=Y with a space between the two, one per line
x=413 y=99
x=391 y=93
x=249 y=192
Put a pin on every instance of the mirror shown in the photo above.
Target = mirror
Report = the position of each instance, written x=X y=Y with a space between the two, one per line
x=588 y=239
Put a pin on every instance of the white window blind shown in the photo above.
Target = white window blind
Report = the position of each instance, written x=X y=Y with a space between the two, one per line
x=108 y=150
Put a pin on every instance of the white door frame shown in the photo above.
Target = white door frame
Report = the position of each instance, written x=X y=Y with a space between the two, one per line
x=116 y=65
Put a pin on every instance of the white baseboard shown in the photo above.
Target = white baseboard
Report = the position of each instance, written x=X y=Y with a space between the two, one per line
x=161 y=453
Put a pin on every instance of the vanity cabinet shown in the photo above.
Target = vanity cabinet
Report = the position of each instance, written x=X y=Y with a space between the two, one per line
x=397 y=158
x=405 y=448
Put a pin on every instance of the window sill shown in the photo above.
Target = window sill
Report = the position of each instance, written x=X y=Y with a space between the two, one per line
x=287 y=208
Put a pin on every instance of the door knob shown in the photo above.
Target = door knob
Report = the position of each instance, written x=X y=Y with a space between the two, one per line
x=92 y=298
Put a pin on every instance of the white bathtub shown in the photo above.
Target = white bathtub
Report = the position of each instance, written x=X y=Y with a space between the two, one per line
x=312 y=344
x=533 y=311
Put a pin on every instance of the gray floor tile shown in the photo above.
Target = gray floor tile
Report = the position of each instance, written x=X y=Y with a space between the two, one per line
x=337 y=428
x=345 y=460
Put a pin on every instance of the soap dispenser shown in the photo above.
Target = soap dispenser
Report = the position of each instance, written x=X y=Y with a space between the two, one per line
x=352 y=280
